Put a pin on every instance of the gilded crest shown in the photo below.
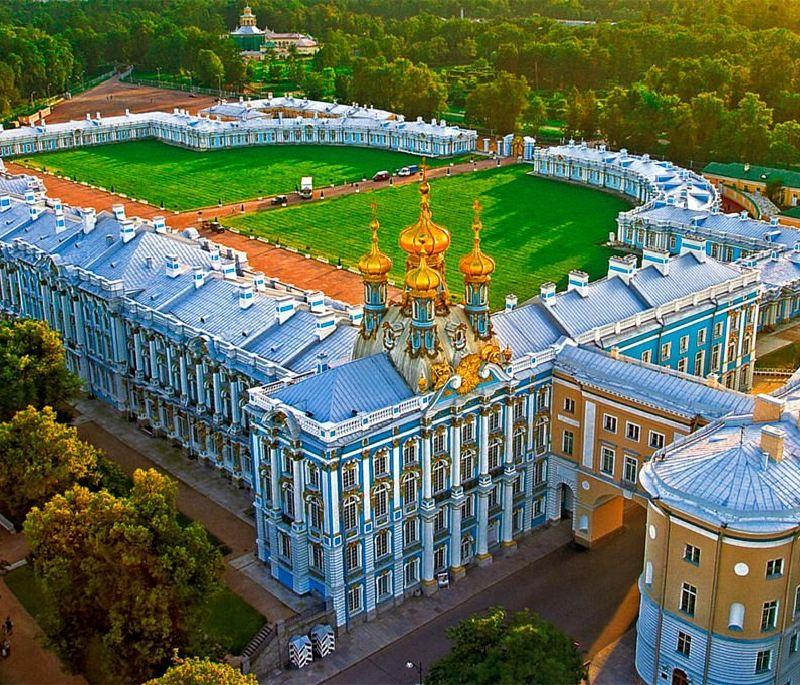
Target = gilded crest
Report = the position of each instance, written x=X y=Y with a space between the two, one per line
x=440 y=372
x=468 y=368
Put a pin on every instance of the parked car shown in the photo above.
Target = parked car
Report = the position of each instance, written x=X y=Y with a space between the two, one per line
x=382 y=176
x=279 y=200
x=408 y=170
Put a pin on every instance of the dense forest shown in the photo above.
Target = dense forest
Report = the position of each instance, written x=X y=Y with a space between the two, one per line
x=692 y=79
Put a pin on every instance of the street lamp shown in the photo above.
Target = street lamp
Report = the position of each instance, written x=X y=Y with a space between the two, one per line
x=418 y=666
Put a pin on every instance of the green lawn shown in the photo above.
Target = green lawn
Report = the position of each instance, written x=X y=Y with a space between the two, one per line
x=536 y=229
x=184 y=179
x=230 y=621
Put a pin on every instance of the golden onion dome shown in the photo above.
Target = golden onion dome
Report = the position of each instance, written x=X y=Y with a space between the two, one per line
x=424 y=230
x=422 y=280
x=374 y=265
x=476 y=266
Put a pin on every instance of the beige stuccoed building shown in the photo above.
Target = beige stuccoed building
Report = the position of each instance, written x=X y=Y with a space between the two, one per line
x=720 y=588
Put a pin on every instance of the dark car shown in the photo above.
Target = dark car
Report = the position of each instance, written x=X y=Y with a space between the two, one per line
x=279 y=200
x=382 y=176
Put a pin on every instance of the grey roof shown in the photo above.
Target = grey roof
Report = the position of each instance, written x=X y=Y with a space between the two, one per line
x=722 y=475
x=657 y=386
x=347 y=390
x=527 y=329
x=687 y=275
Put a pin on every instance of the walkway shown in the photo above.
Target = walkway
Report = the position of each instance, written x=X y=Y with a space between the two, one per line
x=203 y=495
x=591 y=595
x=30 y=662
x=783 y=336
x=285 y=265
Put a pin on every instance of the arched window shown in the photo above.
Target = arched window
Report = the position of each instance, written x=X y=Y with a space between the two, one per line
x=736 y=616
x=439 y=475
x=350 y=513
x=410 y=488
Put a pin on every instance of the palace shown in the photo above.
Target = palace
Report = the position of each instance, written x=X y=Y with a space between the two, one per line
x=275 y=121
x=412 y=438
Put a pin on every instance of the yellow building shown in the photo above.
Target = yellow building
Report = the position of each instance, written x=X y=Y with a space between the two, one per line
x=754 y=179
x=720 y=589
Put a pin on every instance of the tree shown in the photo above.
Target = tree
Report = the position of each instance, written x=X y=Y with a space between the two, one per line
x=499 y=104
x=122 y=570
x=32 y=368
x=488 y=649
x=38 y=459
x=209 y=69
x=196 y=671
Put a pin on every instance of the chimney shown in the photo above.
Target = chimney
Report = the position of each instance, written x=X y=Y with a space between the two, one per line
x=258 y=281
x=35 y=212
x=284 y=308
x=511 y=302
x=326 y=324
x=773 y=221
x=159 y=224
x=61 y=222
x=246 y=296
x=126 y=231
x=173 y=267
x=322 y=362
x=547 y=293
x=229 y=271
x=213 y=252
x=743 y=215
x=89 y=219
x=657 y=258
x=5 y=203
x=767 y=408
x=578 y=281
x=623 y=267
x=30 y=197
x=316 y=301
x=355 y=314
x=694 y=245
x=772 y=440
x=119 y=212
x=198 y=278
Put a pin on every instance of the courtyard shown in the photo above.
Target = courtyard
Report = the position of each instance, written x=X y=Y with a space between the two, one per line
x=184 y=179
x=536 y=229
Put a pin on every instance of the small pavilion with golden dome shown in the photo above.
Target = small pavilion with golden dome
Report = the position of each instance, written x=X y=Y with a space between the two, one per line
x=425 y=334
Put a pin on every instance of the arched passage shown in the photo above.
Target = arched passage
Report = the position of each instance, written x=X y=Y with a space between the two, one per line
x=566 y=500
x=679 y=677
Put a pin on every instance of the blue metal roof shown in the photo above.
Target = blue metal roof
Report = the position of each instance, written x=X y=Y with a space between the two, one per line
x=654 y=385
x=527 y=329
x=348 y=390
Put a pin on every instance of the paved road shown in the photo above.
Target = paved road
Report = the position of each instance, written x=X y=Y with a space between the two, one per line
x=590 y=594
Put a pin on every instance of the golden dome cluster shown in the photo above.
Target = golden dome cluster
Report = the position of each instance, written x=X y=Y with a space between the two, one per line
x=374 y=265
x=422 y=280
x=425 y=231
x=476 y=266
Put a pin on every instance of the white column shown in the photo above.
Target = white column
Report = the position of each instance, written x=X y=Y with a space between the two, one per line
x=297 y=489
x=397 y=525
x=426 y=465
x=275 y=471
x=455 y=453
x=484 y=488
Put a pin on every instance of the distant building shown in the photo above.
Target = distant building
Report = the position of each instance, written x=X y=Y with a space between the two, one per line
x=255 y=42
x=753 y=179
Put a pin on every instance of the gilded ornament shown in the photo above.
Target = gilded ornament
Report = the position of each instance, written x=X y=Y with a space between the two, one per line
x=440 y=371
x=468 y=368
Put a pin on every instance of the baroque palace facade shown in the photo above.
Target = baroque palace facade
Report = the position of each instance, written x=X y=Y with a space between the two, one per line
x=393 y=442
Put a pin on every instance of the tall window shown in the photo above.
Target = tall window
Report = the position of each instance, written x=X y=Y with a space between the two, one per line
x=440 y=557
x=467 y=464
x=381 y=463
x=684 y=643
x=568 y=441
x=467 y=508
x=688 y=599
x=440 y=522
x=699 y=360
x=410 y=452
x=285 y=546
x=380 y=503
x=382 y=547
x=350 y=513
x=410 y=488
x=410 y=531
x=541 y=435
x=353 y=556
x=383 y=584
x=494 y=453
x=769 y=616
x=468 y=431
x=288 y=501
x=609 y=423
x=569 y=405
x=439 y=443
x=701 y=336
x=439 y=475
x=607 y=461
x=316 y=558
x=519 y=445
x=519 y=410
x=494 y=419
x=631 y=469
x=349 y=476
x=411 y=571
x=540 y=472
x=354 y=599
x=314 y=514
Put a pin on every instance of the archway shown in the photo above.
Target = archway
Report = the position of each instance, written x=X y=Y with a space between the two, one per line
x=679 y=677
x=567 y=500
